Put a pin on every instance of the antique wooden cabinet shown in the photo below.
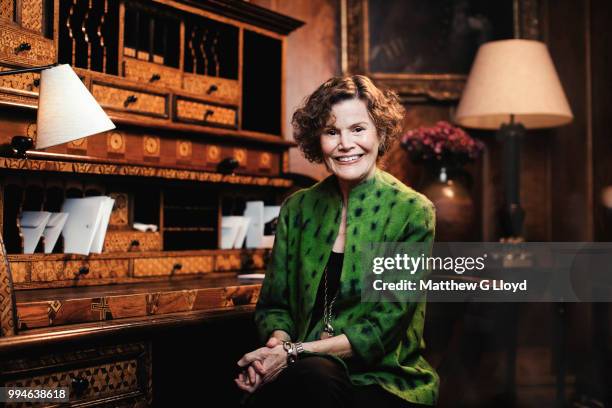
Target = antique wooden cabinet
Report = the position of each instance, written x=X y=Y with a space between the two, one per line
x=195 y=89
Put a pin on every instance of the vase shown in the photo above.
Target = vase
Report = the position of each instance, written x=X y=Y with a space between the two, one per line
x=455 y=212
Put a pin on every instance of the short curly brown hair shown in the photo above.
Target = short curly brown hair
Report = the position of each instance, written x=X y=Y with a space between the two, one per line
x=310 y=119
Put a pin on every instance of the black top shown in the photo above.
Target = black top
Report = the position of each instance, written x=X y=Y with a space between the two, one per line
x=334 y=269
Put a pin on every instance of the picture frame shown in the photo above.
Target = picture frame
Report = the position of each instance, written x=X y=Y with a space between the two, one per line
x=410 y=65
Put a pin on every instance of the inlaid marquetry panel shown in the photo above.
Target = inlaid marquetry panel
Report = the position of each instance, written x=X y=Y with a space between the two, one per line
x=47 y=271
x=173 y=266
x=184 y=149
x=88 y=308
x=151 y=74
x=19 y=271
x=129 y=100
x=132 y=241
x=142 y=171
x=200 y=112
x=104 y=380
x=215 y=88
x=115 y=142
x=7 y=9
x=228 y=262
x=32 y=15
x=7 y=321
x=90 y=374
x=28 y=81
x=18 y=46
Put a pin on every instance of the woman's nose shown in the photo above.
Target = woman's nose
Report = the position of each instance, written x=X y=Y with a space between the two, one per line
x=346 y=141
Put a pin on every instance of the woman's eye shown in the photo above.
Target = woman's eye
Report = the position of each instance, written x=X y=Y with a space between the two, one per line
x=331 y=132
x=359 y=129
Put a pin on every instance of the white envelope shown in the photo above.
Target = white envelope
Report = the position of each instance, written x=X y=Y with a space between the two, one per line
x=242 y=231
x=53 y=229
x=84 y=219
x=255 y=212
x=98 y=241
x=230 y=225
x=32 y=227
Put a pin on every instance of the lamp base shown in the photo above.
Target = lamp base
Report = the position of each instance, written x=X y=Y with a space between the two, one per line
x=18 y=147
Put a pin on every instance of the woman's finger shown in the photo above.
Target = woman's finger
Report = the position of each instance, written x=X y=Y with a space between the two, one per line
x=259 y=368
x=252 y=374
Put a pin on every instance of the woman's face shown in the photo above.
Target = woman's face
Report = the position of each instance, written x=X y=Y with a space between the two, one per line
x=349 y=141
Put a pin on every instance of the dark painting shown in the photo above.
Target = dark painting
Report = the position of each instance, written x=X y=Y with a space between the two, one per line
x=433 y=36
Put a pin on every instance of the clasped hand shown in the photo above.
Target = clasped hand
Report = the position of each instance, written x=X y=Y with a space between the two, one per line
x=261 y=366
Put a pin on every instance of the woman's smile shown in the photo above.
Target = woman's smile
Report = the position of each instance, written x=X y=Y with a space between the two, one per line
x=349 y=159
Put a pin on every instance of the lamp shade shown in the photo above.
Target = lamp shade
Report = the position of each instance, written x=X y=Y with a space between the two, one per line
x=513 y=77
x=66 y=109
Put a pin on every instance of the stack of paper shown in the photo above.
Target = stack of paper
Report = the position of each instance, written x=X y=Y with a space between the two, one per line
x=37 y=224
x=85 y=228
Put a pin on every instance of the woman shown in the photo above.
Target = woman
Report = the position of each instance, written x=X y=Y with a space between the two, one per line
x=323 y=346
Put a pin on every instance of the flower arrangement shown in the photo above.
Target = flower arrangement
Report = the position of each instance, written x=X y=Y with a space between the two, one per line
x=442 y=145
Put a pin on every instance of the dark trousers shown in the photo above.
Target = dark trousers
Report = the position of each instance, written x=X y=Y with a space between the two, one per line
x=321 y=382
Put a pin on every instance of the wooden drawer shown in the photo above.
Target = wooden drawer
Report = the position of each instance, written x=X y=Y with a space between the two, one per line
x=49 y=271
x=128 y=100
x=192 y=111
x=132 y=241
x=19 y=46
x=102 y=375
x=28 y=81
x=151 y=74
x=213 y=88
x=164 y=266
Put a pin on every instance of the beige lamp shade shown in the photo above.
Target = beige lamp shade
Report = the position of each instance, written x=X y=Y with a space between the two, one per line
x=66 y=109
x=513 y=77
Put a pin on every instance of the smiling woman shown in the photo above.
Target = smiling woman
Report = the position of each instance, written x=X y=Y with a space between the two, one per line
x=323 y=346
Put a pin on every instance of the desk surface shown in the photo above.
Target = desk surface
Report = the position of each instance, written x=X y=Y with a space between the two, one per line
x=41 y=310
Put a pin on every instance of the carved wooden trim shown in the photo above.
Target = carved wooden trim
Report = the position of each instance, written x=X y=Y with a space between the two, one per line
x=141 y=171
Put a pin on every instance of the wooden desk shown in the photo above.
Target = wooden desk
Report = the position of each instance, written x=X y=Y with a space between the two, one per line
x=111 y=362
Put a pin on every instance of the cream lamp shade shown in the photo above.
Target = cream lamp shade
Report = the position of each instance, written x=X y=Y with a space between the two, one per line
x=513 y=77
x=66 y=109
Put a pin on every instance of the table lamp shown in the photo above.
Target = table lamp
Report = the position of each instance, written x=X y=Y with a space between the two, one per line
x=66 y=111
x=513 y=86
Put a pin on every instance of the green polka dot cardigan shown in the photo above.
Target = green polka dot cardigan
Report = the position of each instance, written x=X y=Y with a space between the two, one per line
x=386 y=338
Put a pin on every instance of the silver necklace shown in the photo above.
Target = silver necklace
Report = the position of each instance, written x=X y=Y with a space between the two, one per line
x=328 y=329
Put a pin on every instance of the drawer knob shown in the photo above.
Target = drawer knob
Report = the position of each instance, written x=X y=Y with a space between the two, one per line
x=129 y=100
x=155 y=77
x=83 y=270
x=79 y=385
x=36 y=83
x=135 y=243
x=212 y=88
x=227 y=165
x=24 y=46
x=177 y=267
x=208 y=113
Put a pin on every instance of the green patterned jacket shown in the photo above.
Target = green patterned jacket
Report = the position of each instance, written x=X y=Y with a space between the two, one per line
x=386 y=338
